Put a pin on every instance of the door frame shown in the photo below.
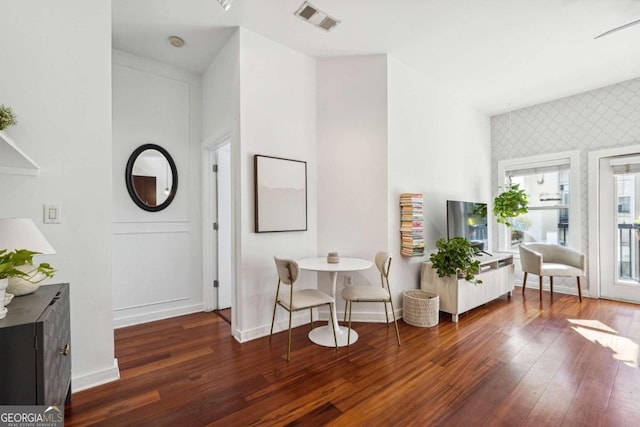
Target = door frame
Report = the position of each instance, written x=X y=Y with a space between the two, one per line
x=209 y=255
x=594 y=157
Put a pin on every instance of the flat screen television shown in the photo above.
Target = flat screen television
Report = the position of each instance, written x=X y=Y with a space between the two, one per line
x=468 y=220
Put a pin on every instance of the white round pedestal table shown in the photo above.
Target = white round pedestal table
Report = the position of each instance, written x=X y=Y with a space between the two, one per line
x=323 y=335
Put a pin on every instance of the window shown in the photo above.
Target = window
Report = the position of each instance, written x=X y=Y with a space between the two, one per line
x=623 y=204
x=554 y=210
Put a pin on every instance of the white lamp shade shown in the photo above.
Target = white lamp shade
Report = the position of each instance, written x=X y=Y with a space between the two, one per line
x=22 y=233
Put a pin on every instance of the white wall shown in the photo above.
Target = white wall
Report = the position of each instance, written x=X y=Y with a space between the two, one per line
x=437 y=146
x=384 y=129
x=352 y=162
x=56 y=75
x=221 y=93
x=278 y=118
x=156 y=255
x=221 y=123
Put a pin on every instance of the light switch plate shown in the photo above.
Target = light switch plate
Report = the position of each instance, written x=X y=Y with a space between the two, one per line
x=52 y=214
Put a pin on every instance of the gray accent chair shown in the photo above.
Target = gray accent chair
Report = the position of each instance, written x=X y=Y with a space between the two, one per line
x=551 y=260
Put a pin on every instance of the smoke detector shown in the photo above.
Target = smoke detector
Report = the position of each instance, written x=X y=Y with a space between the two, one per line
x=316 y=17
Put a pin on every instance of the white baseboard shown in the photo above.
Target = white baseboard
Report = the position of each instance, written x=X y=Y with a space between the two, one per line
x=557 y=289
x=94 y=379
x=371 y=316
x=303 y=319
x=298 y=319
x=123 y=321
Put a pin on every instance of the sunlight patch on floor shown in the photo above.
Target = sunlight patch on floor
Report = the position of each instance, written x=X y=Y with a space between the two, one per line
x=593 y=324
x=624 y=349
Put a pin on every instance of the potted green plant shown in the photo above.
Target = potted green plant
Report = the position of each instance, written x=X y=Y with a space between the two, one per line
x=511 y=203
x=19 y=263
x=7 y=117
x=455 y=256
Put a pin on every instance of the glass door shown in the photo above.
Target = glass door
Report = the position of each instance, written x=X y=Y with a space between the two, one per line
x=620 y=227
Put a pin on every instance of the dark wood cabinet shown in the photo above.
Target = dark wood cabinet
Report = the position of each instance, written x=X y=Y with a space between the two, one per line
x=35 y=349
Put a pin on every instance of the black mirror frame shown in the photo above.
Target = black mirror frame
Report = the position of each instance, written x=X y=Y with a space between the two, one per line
x=128 y=177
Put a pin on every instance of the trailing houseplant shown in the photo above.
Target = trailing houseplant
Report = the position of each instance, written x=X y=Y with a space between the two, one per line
x=12 y=264
x=511 y=203
x=455 y=256
x=7 y=117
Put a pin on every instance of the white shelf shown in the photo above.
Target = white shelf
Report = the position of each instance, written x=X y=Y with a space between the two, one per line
x=13 y=160
x=458 y=296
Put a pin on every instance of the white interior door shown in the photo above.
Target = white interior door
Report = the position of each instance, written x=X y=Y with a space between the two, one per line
x=223 y=155
x=619 y=235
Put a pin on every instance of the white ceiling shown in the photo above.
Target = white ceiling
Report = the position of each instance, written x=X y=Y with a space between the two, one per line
x=493 y=54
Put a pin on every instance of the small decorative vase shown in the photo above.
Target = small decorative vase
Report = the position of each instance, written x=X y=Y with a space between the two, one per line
x=333 y=258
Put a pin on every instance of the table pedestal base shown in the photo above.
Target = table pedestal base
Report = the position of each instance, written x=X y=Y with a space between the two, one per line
x=323 y=336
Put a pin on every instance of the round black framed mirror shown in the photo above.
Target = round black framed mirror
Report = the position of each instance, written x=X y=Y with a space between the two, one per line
x=151 y=177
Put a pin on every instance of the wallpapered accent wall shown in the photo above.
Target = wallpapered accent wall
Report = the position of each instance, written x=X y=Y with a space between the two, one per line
x=603 y=118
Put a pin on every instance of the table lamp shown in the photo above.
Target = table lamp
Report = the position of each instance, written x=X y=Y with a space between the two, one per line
x=22 y=233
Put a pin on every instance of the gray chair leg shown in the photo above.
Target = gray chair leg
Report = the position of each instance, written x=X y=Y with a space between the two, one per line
x=551 y=284
x=524 y=282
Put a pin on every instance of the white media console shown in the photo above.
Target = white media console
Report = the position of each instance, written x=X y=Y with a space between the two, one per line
x=458 y=295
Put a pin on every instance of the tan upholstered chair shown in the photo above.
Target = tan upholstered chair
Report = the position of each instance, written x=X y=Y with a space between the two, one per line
x=290 y=300
x=550 y=260
x=382 y=294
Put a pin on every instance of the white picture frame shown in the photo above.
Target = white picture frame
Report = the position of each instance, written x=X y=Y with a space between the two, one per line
x=280 y=194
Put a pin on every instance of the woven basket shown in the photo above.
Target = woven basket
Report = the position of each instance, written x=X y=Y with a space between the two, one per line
x=420 y=308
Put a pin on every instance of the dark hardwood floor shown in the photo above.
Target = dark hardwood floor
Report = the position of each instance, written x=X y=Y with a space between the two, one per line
x=511 y=362
x=225 y=313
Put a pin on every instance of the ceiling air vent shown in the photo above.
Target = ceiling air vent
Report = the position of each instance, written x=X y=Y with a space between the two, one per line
x=316 y=17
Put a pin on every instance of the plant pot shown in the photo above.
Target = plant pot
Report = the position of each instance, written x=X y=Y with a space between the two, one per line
x=18 y=286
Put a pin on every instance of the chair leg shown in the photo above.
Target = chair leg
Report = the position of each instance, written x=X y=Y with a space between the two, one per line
x=333 y=326
x=524 y=282
x=541 y=288
x=579 y=289
x=275 y=304
x=349 y=330
x=311 y=315
x=551 y=284
x=273 y=318
x=386 y=315
x=346 y=304
x=289 y=344
x=395 y=322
